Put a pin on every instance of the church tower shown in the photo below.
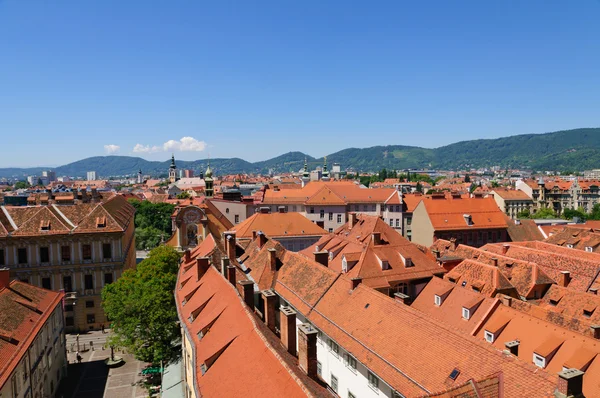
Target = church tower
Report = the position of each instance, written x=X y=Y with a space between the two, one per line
x=173 y=170
x=139 y=178
x=305 y=174
x=325 y=176
x=208 y=180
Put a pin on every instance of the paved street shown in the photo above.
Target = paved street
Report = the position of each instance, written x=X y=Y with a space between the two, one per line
x=92 y=378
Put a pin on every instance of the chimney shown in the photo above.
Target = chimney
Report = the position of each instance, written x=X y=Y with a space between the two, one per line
x=307 y=349
x=505 y=249
x=506 y=300
x=4 y=278
x=436 y=253
x=202 y=264
x=273 y=259
x=354 y=282
x=230 y=244
x=453 y=244
x=322 y=257
x=513 y=347
x=376 y=238
x=262 y=239
x=281 y=209
x=287 y=320
x=564 y=278
x=270 y=306
x=495 y=261
x=248 y=293
x=253 y=234
x=231 y=276
x=401 y=298
x=224 y=266
x=351 y=220
x=570 y=384
x=187 y=256
x=596 y=331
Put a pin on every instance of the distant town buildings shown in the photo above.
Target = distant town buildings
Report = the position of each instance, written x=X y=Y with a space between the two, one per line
x=560 y=194
x=92 y=176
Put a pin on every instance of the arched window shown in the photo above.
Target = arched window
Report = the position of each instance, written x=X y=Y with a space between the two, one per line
x=227 y=210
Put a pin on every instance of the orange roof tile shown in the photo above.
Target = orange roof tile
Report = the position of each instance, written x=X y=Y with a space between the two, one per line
x=278 y=225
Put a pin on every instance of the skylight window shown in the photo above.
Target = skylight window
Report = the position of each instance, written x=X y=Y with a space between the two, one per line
x=454 y=374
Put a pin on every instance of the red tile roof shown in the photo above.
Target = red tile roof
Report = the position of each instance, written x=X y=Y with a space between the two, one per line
x=278 y=225
x=449 y=214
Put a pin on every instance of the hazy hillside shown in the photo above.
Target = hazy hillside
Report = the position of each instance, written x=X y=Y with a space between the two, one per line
x=562 y=150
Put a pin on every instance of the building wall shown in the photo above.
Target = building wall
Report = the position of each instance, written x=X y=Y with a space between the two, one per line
x=83 y=307
x=392 y=215
x=43 y=364
x=188 y=365
x=235 y=212
x=421 y=227
x=332 y=217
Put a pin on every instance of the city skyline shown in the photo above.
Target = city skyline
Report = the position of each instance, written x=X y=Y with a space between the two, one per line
x=132 y=79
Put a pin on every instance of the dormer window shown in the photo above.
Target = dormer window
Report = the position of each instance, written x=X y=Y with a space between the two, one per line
x=466 y=313
x=437 y=300
x=589 y=249
x=570 y=246
x=101 y=222
x=588 y=311
x=344 y=265
x=554 y=303
x=489 y=336
x=539 y=361
x=45 y=225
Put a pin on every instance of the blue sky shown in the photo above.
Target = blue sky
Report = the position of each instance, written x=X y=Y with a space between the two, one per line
x=258 y=79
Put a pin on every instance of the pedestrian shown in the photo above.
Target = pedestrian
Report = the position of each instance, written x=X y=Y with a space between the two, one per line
x=79 y=357
x=102 y=327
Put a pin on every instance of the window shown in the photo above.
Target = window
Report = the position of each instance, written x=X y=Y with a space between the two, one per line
x=364 y=207
x=397 y=208
x=69 y=321
x=44 y=255
x=312 y=210
x=69 y=307
x=391 y=222
x=227 y=210
x=106 y=251
x=86 y=251
x=397 y=223
x=294 y=208
x=334 y=383
x=237 y=218
x=108 y=278
x=319 y=369
x=355 y=207
x=333 y=347
x=91 y=318
x=489 y=337
x=65 y=253
x=330 y=230
x=589 y=249
x=466 y=313
x=350 y=361
x=89 y=282
x=373 y=380
x=373 y=207
x=409 y=221
x=1 y=256
x=322 y=213
x=539 y=361
x=330 y=216
x=22 y=255
x=89 y=304
x=437 y=300
x=46 y=283
x=67 y=283
x=339 y=218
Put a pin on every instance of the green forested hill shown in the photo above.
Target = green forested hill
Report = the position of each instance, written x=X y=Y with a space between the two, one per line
x=577 y=149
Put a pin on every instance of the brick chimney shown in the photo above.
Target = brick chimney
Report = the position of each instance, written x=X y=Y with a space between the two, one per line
x=376 y=238
x=351 y=220
x=322 y=257
x=224 y=265
x=401 y=298
x=287 y=319
x=453 y=244
x=253 y=234
x=564 y=278
x=248 y=293
x=270 y=307
x=202 y=264
x=307 y=349
x=230 y=244
x=506 y=300
x=4 y=278
x=596 y=331
x=505 y=248
x=231 y=276
x=273 y=259
x=495 y=261
x=262 y=239
x=187 y=256
x=354 y=282
x=570 y=384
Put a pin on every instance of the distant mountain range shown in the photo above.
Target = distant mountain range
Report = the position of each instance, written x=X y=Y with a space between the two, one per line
x=577 y=149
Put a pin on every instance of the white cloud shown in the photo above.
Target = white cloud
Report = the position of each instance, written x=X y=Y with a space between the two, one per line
x=185 y=144
x=111 y=148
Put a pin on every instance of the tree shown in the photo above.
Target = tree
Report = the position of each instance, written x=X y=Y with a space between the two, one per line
x=152 y=223
x=524 y=214
x=419 y=187
x=184 y=195
x=141 y=306
x=467 y=178
x=595 y=214
x=495 y=184
x=569 y=214
x=544 y=213
x=383 y=174
x=22 y=185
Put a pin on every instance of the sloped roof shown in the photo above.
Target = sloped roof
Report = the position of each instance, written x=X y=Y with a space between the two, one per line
x=21 y=323
x=276 y=225
x=448 y=213
x=485 y=278
x=511 y=194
